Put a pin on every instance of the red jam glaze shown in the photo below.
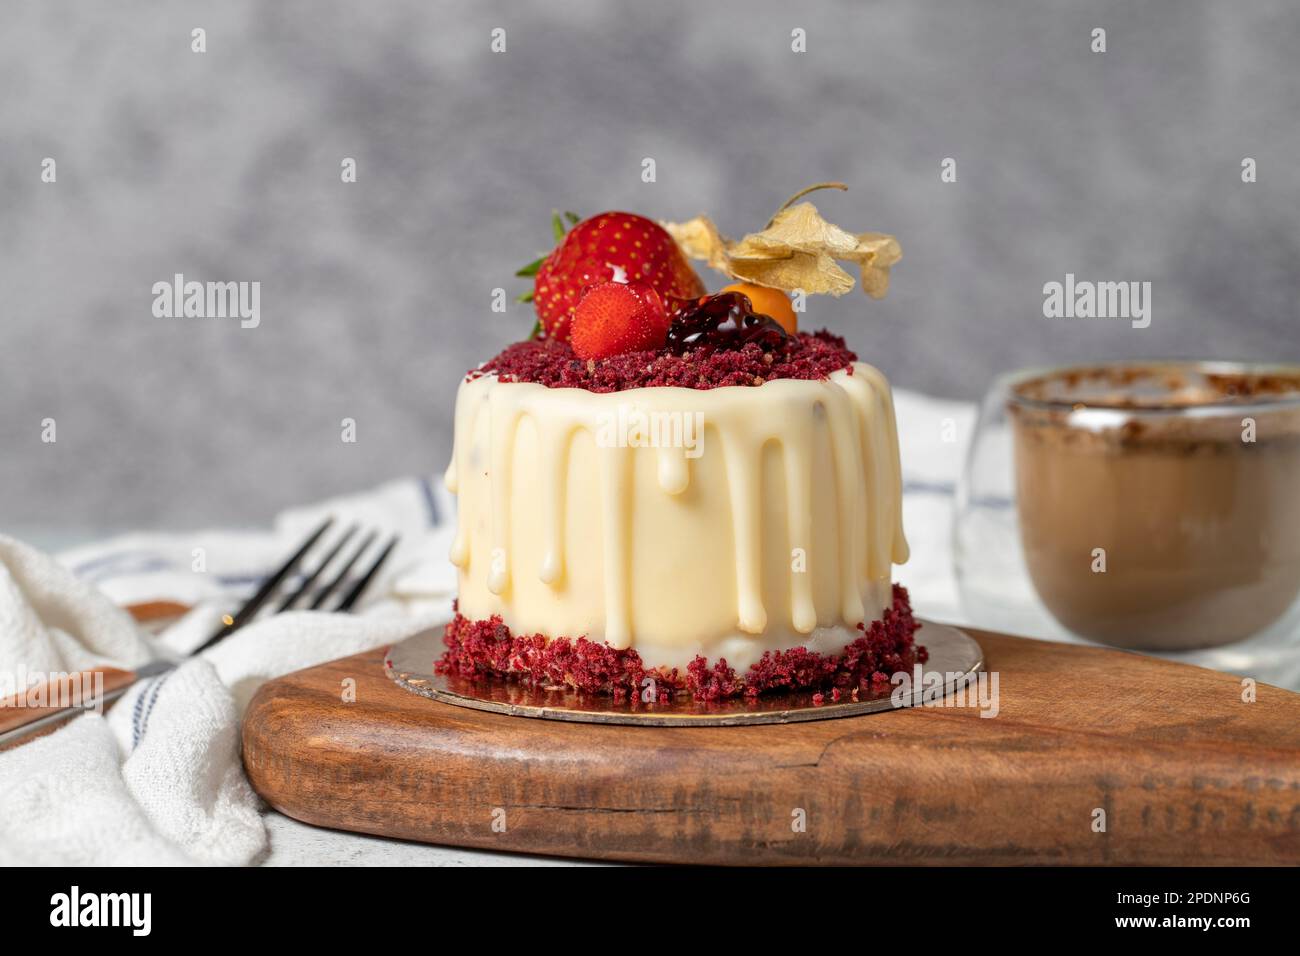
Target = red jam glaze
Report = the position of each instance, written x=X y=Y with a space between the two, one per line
x=552 y=363
x=482 y=649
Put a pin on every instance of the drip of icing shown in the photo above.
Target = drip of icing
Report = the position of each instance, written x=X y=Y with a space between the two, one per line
x=896 y=547
x=505 y=420
x=555 y=436
x=876 y=533
x=744 y=469
x=847 y=453
x=459 y=554
x=851 y=413
x=797 y=459
x=616 y=480
x=674 y=474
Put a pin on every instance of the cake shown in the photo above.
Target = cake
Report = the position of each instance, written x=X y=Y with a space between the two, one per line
x=664 y=491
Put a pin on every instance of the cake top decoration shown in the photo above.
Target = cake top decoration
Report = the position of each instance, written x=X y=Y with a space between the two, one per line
x=618 y=284
x=797 y=250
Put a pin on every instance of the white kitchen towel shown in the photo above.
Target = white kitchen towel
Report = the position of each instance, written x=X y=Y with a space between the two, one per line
x=52 y=621
x=933 y=436
x=200 y=566
x=158 y=779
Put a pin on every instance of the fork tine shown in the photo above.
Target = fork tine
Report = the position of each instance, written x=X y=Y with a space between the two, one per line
x=328 y=589
x=311 y=578
x=357 y=589
x=254 y=604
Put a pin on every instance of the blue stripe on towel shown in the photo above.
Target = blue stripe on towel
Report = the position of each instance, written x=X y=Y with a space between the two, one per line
x=112 y=557
x=431 y=501
x=912 y=486
x=948 y=489
x=249 y=579
x=122 y=562
x=144 y=707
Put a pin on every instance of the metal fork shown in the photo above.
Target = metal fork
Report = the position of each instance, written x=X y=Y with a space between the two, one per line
x=233 y=622
x=17 y=725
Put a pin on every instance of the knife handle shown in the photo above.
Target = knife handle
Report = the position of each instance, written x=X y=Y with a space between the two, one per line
x=20 y=723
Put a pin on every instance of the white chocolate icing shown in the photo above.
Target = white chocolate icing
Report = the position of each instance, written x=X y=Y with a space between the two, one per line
x=776 y=525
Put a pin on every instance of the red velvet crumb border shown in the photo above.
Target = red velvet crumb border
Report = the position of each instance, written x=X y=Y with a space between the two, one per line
x=487 y=648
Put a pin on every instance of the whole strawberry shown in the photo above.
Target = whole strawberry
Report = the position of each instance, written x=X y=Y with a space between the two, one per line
x=612 y=245
x=618 y=317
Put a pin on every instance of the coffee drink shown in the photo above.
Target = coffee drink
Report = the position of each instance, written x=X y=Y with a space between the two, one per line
x=1159 y=503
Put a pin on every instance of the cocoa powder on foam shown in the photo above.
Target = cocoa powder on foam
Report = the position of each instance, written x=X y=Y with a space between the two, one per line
x=1157 y=408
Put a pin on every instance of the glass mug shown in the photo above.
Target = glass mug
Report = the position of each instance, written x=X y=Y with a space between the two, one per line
x=1146 y=505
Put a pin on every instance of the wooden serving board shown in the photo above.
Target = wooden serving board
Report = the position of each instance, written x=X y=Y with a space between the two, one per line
x=1184 y=770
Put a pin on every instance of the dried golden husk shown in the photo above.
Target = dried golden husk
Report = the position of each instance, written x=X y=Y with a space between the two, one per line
x=799 y=250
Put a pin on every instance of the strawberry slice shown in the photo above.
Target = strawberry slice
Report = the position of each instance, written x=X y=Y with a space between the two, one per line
x=616 y=317
x=609 y=246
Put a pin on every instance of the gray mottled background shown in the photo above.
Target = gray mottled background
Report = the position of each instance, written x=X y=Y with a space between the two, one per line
x=376 y=296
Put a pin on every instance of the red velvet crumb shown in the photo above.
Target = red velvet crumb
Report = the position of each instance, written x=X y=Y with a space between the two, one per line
x=553 y=364
x=477 y=649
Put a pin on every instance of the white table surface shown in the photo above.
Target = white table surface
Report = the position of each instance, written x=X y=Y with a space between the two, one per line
x=299 y=844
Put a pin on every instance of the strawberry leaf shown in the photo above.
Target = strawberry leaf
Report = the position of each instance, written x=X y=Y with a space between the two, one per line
x=531 y=268
x=572 y=217
x=557 y=226
x=537 y=329
x=525 y=296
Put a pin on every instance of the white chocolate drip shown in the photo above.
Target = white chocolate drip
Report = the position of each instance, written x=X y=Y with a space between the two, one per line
x=563 y=530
